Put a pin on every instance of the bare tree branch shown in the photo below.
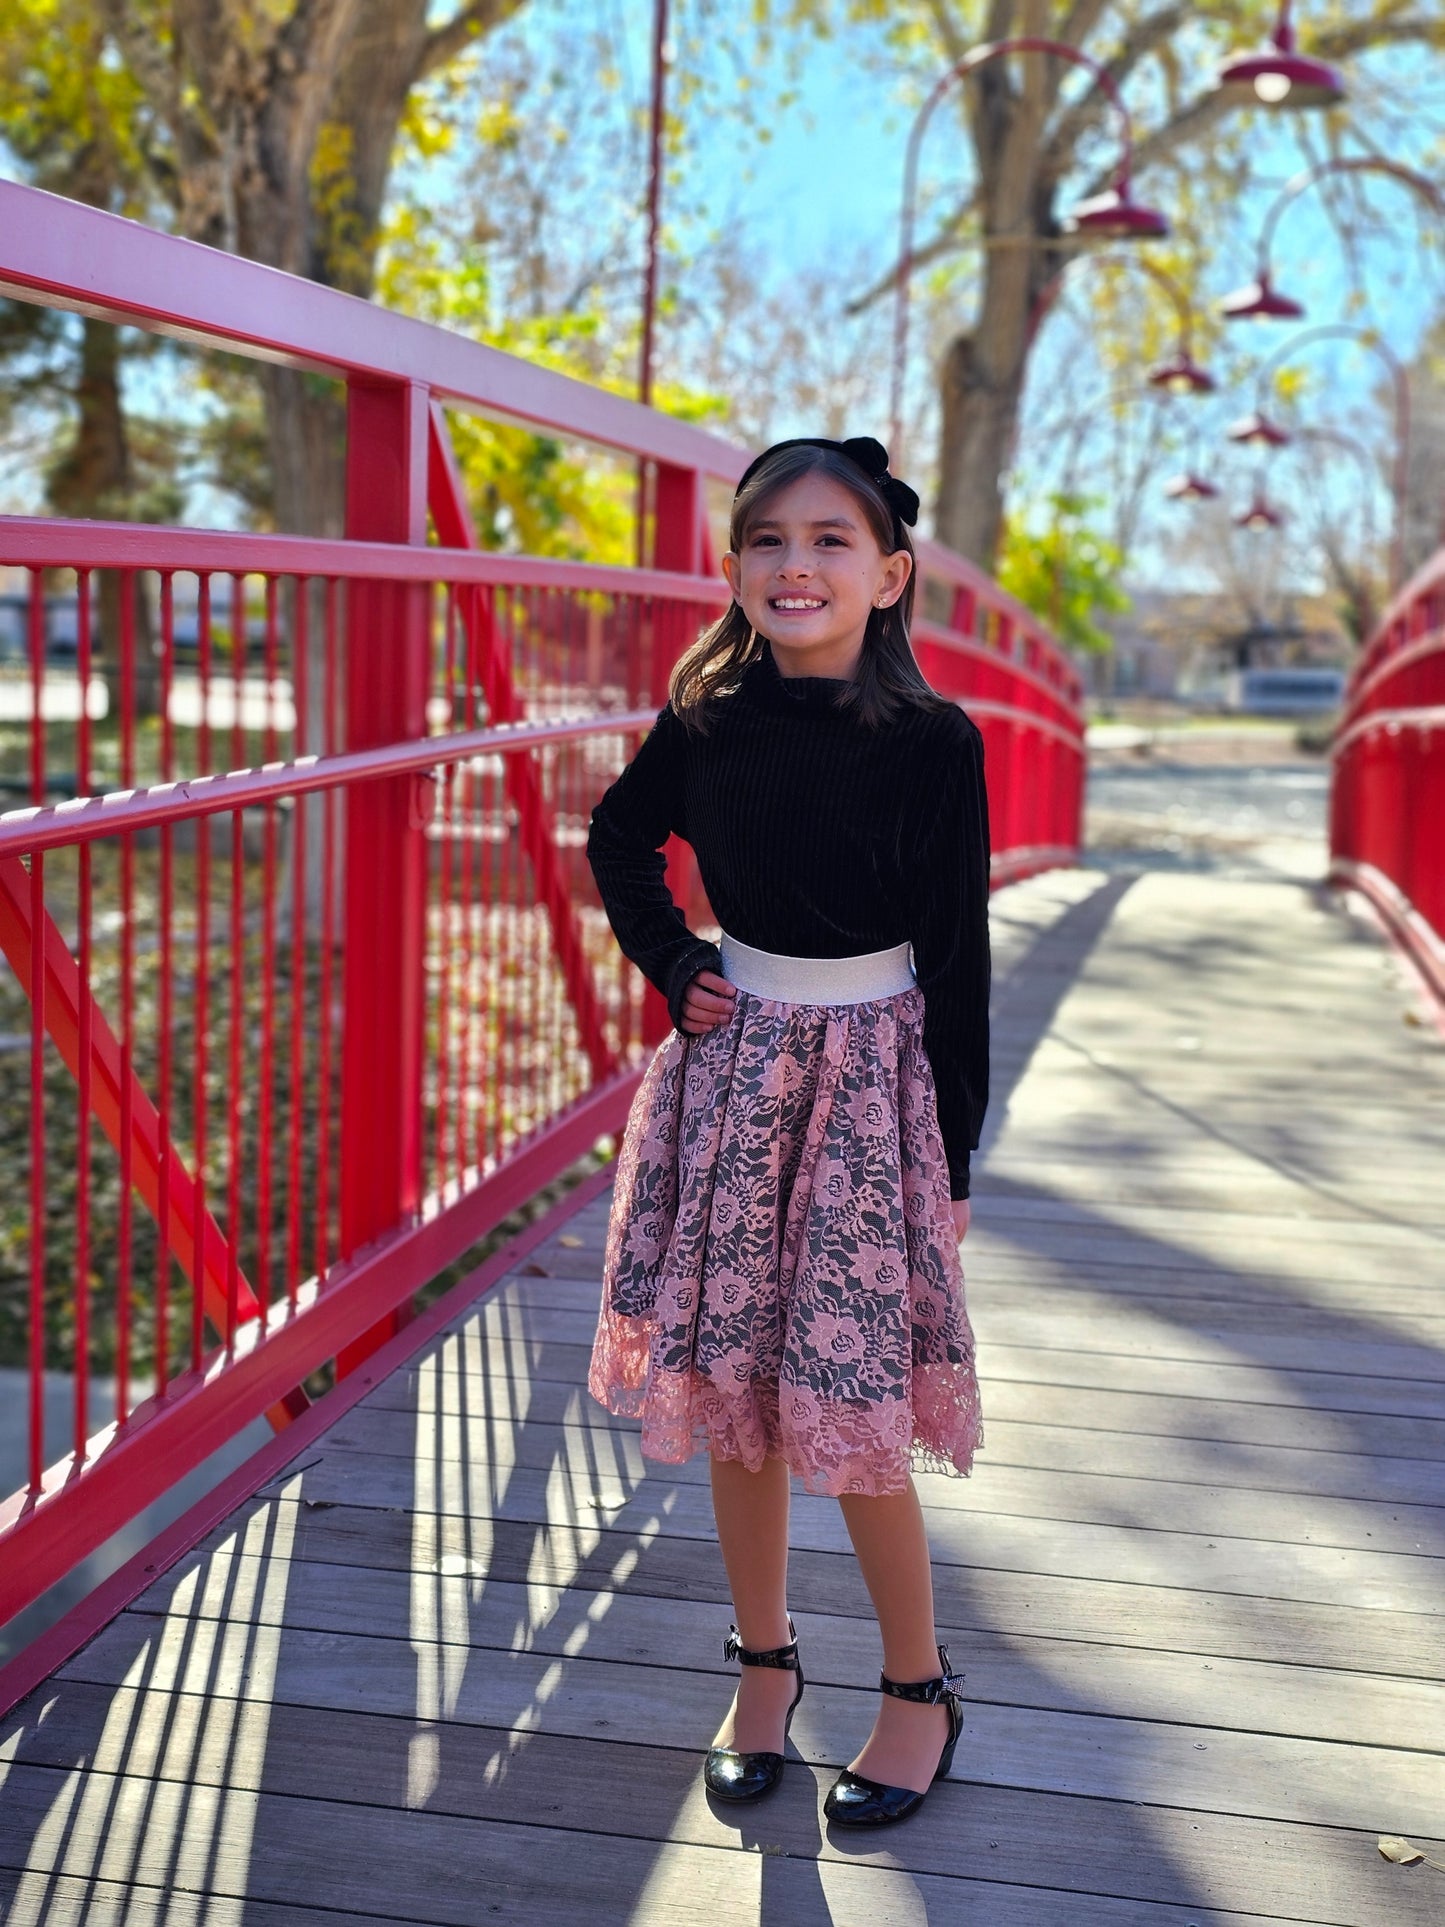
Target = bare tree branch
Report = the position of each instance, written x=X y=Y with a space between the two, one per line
x=956 y=43
x=1155 y=30
x=946 y=240
x=467 y=24
x=1080 y=21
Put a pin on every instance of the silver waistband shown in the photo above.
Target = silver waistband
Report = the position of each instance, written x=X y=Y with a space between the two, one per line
x=817 y=980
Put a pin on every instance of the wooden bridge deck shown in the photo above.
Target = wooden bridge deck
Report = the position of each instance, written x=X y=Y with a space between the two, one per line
x=459 y=1664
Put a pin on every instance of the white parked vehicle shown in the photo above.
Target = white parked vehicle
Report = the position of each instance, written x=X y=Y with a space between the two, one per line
x=1285 y=692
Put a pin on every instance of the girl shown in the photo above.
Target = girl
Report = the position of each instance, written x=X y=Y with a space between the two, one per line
x=782 y=1282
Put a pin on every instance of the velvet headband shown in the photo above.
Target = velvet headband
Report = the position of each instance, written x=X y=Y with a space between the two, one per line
x=864 y=453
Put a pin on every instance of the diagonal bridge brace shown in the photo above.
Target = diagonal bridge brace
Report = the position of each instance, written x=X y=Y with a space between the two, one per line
x=452 y=518
x=110 y=1082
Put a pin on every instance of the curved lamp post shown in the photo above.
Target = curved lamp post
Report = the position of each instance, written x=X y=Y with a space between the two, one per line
x=1336 y=438
x=1179 y=373
x=1334 y=331
x=654 y=195
x=1261 y=300
x=1111 y=216
x=1278 y=75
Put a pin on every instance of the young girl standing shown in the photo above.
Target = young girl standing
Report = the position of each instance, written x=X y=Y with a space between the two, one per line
x=782 y=1283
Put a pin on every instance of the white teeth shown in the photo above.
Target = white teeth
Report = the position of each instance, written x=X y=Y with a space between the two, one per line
x=794 y=602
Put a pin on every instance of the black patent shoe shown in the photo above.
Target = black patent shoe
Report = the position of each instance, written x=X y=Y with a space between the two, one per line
x=856 y=1801
x=731 y=1775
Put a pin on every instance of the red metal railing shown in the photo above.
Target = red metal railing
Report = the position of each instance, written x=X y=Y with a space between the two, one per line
x=1387 y=798
x=316 y=983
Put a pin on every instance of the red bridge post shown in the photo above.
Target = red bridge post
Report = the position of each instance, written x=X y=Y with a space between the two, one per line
x=384 y=919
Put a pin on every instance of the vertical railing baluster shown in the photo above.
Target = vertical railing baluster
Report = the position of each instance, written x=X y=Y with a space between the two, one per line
x=300 y=645
x=200 y=1097
x=85 y=1045
x=165 y=988
x=131 y=586
x=237 y=960
x=35 y=1440
x=266 y=1054
x=325 y=1161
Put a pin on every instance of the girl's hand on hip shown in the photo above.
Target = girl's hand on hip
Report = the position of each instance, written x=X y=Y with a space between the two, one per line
x=961 y=1215
x=707 y=1002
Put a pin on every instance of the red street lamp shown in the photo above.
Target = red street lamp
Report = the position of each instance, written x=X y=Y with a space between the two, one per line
x=1191 y=486
x=1179 y=373
x=1258 y=428
x=1111 y=216
x=1334 y=331
x=1261 y=513
x=1261 y=300
x=1278 y=76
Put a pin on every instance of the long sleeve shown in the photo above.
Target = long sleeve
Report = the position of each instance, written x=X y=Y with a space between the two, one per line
x=949 y=934
x=629 y=826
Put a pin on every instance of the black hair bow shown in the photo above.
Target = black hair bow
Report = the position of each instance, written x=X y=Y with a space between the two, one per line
x=865 y=453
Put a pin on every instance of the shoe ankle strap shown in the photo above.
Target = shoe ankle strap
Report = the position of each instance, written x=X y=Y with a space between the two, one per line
x=930 y=1692
x=785 y=1657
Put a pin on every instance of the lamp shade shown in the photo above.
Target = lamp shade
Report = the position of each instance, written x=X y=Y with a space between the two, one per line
x=1261 y=514
x=1181 y=374
x=1258 y=428
x=1279 y=77
x=1115 y=216
x=1260 y=301
x=1190 y=487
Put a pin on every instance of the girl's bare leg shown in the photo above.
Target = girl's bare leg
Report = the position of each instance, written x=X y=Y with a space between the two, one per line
x=892 y=1548
x=751 y=1509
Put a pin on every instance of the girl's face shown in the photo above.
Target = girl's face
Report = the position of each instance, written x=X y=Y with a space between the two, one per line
x=810 y=573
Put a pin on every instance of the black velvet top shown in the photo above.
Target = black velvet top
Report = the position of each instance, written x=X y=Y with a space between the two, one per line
x=816 y=836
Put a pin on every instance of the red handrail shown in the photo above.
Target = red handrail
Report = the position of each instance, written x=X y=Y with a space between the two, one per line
x=328 y=1009
x=1387 y=796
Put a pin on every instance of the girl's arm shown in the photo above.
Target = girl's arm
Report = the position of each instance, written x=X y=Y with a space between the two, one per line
x=629 y=826
x=949 y=935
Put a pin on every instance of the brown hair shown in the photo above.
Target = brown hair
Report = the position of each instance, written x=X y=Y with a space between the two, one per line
x=887 y=676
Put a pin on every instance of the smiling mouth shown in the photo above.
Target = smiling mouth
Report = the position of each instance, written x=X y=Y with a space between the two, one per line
x=803 y=605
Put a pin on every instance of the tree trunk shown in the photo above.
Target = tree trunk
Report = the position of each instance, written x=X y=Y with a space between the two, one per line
x=306 y=422
x=306 y=429
x=979 y=420
x=983 y=373
x=94 y=480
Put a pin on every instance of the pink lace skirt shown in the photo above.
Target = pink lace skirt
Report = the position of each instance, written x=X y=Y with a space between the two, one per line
x=782 y=1277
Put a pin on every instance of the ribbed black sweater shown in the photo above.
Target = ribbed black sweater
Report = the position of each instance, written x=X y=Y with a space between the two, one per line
x=816 y=837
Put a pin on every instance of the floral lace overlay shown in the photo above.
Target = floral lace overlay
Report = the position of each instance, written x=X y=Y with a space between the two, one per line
x=782 y=1276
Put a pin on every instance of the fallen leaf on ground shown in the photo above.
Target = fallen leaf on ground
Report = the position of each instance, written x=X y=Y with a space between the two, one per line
x=569 y=1239
x=1398 y=1850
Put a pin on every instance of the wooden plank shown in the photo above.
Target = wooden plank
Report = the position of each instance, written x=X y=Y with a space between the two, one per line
x=1409 y=1645
x=1269 y=1776
x=1153 y=1326
x=67 y=1900
x=448 y=1868
x=1341 y=1389
x=469 y=1355
x=579 y=1498
x=1049 y=1476
x=567 y=1284
x=1003 y=1667
x=1286 y=1345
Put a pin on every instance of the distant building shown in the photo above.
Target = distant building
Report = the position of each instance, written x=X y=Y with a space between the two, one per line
x=1181 y=647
